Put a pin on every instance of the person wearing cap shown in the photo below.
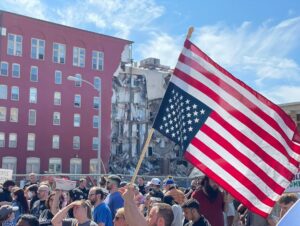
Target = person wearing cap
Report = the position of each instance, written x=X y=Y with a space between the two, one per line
x=82 y=211
x=7 y=215
x=82 y=187
x=102 y=214
x=155 y=188
x=171 y=190
x=114 y=199
x=5 y=194
x=40 y=205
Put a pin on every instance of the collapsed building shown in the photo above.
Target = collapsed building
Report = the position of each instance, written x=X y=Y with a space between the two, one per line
x=137 y=93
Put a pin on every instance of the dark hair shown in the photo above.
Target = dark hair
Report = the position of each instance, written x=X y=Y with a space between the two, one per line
x=30 y=219
x=165 y=211
x=288 y=198
x=115 y=178
x=191 y=204
x=48 y=200
x=8 y=183
x=204 y=181
x=33 y=188
x=21 y=199
x=100 y=192
x=169 y=200
x=141 y=177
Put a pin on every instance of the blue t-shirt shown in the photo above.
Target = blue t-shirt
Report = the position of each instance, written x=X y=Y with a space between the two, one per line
x=102 y=214
x=114 y=202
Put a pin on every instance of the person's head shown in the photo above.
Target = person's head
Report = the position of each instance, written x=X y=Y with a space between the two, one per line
x=96 y=195
x=168 y=183
x=18 y=195
x=141 y=181
x=32 y=178
x=161 y=214
x=286 y=201
x=7 y=212
x=190 y=209
x=155 y=183
x=82 y=210
x=8 y=185
x=194 y=185
x=43 y=192
x=82 y=183
x=50 y=200
x=102 y=182
x=31 y=191
x=210 y=187
x=28 y=220
x=119 y=219
x=113 y=183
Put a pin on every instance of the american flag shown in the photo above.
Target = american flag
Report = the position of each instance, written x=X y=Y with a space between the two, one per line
x=237 y=137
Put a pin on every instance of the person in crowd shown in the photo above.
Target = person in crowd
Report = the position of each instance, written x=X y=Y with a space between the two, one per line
x=7 y=215
x=52 y=207
x=188 y=192
x=253 y=219
x=5 y=194
x=119 y=219
x=171 y=190
x=28 y=220
x=212 y=201
x=82 y=215
x=31 y=194
x=32 y=180
x=40 y=205
x=102 y=182
x=285 y=202
x=102 y=214
x=114 y=199
x=191 y=213
x=161 y=214
x=155 y=188
x=141 y=185
x=177 y=210
x=83 y=187
x=19 y=200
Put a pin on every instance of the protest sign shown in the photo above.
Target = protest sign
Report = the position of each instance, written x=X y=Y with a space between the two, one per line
x=294 y=185
x=5 y=174
x=63 y=184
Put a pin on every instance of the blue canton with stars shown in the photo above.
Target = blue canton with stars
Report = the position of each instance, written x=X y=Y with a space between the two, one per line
x=180 y=116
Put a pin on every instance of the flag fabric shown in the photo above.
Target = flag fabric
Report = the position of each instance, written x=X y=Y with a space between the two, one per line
x=237 y=137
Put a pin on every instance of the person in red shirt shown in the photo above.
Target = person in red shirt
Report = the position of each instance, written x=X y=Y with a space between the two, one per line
x=211 y=201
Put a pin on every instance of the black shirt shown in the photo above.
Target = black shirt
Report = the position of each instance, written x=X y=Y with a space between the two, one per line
x=45 y=218
x=38 y=207
x=201 y=222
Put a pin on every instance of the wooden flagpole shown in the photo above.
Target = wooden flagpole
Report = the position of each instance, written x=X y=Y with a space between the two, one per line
x=138 y=166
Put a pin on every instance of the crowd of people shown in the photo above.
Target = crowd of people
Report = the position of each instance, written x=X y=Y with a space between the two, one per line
x=116 y=202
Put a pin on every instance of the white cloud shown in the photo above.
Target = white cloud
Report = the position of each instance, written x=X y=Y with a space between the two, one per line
x=283 y=94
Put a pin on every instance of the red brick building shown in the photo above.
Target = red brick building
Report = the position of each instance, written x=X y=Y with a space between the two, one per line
x=48 y=123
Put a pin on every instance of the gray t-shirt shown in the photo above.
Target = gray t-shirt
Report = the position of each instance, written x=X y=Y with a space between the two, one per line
x=74 y=222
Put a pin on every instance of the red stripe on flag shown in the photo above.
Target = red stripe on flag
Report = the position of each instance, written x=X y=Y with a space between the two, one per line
x=288 y=121
x=235 y=113
x=227 y=186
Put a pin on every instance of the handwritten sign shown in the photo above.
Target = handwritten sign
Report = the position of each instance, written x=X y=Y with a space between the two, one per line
x=295 y=184
x=5 y=174
x=63 y=184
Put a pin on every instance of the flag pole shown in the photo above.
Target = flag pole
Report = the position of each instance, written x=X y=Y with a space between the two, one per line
x=138 y=166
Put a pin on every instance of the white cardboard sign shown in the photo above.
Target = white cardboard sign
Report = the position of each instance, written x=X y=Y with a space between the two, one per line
x=5 y=174
x=63 y=184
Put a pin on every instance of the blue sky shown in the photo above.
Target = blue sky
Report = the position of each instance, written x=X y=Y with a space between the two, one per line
x=256 y=40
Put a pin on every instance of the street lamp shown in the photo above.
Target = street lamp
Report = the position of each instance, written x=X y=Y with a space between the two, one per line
x=76 y=79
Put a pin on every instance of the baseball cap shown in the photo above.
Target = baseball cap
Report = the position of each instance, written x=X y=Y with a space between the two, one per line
x=5 y=210
x=169 y=181
x=155 y=181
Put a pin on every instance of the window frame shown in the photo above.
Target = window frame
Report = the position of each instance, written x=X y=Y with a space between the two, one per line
x=17 y=45
x=61 y=53
x=38 y=49
x=7 y=68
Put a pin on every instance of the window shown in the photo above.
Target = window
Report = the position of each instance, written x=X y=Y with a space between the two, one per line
x=76 y=142
x=55 y=141
x=14 y=115
x=78 y=80
x=78 y=57
x=95 y=143
x=76 y=120
x=32 y=165
x=16 y=70
x=2 y=140
x=55 y=165
x=32 y=95
x=93 y=166
x=57 y=98
x=12 y=140
x=56 y=118
x=75 y=166
x=57 y=77
x=31 y=142
x=9 y=163
x=77 y=100
x=96 y=102
x=3 y=68
x=34 y=73
x=37 y=49
x=32 y=117
x=3 y=92
x=14 y=46
x=97 y=60
x=97 y=83
x=59 y=53
x=3 y=114
x=15 y=93
x=95 y=121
